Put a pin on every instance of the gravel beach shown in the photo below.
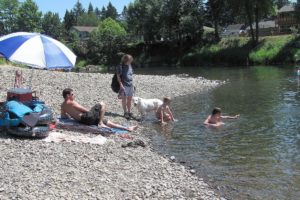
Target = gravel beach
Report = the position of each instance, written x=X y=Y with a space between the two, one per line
x=34 y=169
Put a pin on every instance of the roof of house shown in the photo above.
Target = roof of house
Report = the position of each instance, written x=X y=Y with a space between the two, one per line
x=234 y=27
x=264 y=24
x=287 y=8
x=84 y=28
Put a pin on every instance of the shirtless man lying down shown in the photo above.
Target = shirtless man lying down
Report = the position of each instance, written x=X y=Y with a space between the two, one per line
x=94 y=116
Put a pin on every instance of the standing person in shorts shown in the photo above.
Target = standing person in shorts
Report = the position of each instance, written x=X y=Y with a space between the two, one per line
x=95 y=116
x=125 y=79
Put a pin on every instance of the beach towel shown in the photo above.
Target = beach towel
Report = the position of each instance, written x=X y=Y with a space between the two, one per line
x=60 y=137
x=74 y=125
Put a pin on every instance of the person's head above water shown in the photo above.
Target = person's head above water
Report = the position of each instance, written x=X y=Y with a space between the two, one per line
x=216 y=110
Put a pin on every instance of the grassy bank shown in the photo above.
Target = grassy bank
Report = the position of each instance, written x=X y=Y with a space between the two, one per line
x=240 y=51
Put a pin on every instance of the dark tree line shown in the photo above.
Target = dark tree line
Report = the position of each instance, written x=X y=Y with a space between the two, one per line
x=149 y=21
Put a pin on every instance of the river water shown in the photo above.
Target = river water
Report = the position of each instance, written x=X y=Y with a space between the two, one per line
x=254 y=157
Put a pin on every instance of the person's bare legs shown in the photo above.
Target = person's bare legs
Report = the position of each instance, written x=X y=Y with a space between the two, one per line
x=114 y=125
x=124 y=103
x=101 y=114
x=129 y=99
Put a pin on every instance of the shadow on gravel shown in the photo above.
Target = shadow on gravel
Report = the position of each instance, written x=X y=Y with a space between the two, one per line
x=5 y=135
x=111 y=114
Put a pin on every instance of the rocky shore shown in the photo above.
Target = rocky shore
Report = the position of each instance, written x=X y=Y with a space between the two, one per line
x=34 y=169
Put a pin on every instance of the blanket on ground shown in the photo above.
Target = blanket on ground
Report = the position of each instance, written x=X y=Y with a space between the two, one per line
x=73 y=125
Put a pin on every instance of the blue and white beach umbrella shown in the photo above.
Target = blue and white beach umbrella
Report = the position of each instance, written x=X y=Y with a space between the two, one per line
x=36 y=50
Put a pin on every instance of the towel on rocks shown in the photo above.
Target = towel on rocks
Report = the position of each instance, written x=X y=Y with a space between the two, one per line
x=60 y=137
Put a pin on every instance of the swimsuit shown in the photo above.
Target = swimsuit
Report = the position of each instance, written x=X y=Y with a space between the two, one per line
x=92 y=117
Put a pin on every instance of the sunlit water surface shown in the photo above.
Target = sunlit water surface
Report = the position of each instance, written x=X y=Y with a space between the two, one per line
x=254 y=157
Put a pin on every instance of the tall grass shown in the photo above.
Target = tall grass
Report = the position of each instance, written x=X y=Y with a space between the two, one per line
x=269 y=48
x=240 y=51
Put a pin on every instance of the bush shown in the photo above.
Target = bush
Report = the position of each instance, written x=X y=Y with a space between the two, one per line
x=2 y=61
x=80 y=65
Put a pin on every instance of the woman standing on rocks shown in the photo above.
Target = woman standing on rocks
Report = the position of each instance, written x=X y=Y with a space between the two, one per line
x=125 y=79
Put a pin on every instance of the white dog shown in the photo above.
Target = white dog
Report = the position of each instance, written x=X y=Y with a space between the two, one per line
x=145 y=106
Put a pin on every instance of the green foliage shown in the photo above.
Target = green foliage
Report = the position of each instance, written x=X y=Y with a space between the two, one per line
x=269 y=48
x=2 y=61
x=28 y=17
x=69 y=20
x=106 y=41
x=8 y=13
x=87 y=19
x=111 y=12
x=80 y=65
x=78 y=10
x=170 y=20
x=90 y=9
x=239 y=51
x=51 y=25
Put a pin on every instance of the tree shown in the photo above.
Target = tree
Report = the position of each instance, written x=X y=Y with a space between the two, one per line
x=8 y=13
x=134 y=17
x=90 y=9
x=103 y=13
x=297 y=11
x=111 y=12
x=214 y=9
x=28 y=17
x=78 y=10
x=170 y=18
x=51 y=25
x=106 y=41
x=87 y=19
x=253 y=11
x=97 y=13
x=69 y=20
x=191 y=19
x=281 y=3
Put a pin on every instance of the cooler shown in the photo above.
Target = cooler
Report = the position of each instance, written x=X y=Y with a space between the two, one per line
x=20 y=94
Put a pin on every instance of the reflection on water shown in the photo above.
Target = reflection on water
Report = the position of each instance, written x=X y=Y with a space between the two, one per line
x=254 y=157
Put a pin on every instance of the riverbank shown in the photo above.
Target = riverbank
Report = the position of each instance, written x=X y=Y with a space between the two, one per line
x=34 y=169
x=271 y=50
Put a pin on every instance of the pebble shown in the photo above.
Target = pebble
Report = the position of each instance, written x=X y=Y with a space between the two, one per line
x=96 y=171
x=172 y=158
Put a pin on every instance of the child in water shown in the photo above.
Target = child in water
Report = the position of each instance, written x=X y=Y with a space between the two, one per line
x=164 y=113
x=214 y=119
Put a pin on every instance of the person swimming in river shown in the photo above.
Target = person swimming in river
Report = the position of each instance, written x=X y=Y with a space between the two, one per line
x=214 y=119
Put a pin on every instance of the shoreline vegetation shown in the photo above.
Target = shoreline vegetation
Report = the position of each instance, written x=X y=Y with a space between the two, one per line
x=270 y=50
x=229 y=51
x=33 y=169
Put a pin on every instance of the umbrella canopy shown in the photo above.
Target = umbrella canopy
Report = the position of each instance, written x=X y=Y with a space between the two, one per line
x=36 y=50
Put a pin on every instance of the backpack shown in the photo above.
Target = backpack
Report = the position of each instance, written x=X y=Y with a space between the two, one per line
x=115 y=86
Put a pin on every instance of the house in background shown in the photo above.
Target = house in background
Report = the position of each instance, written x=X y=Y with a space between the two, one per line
x=233 y=30
x=266 y=28
x=286 y=19
x=83 y=31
